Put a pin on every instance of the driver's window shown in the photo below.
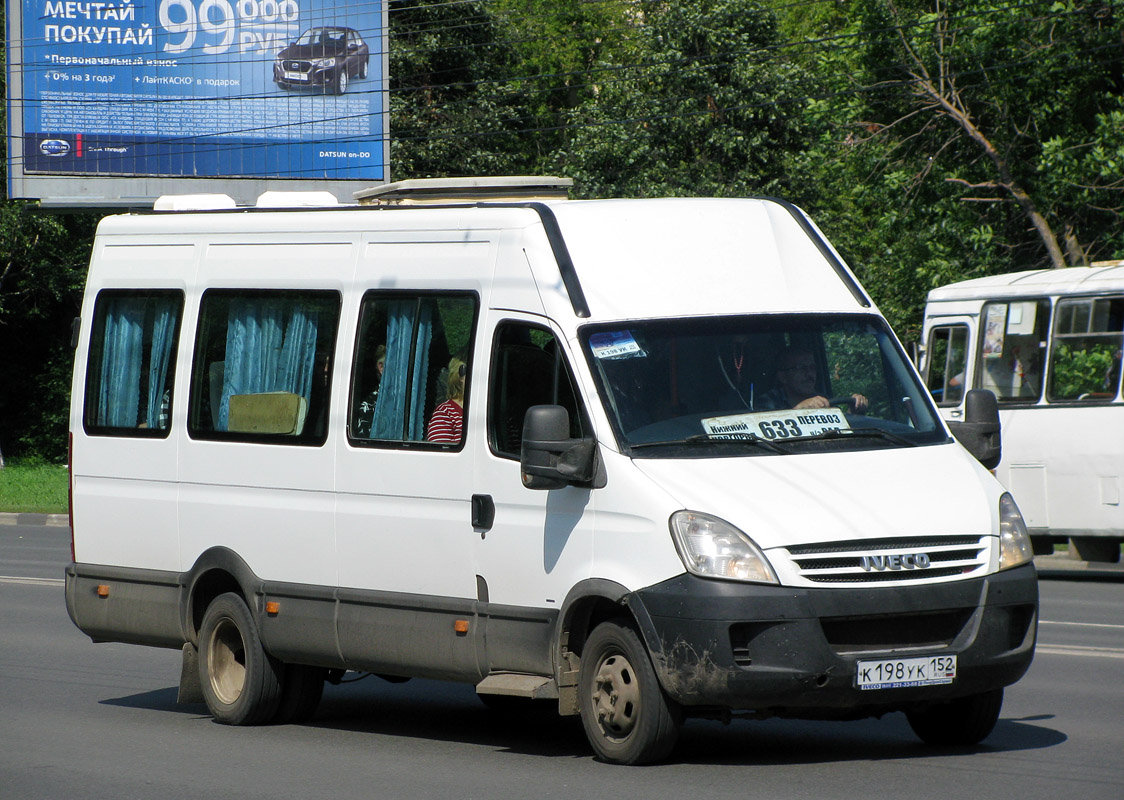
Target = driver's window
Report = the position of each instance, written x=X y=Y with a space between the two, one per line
x=528 y=369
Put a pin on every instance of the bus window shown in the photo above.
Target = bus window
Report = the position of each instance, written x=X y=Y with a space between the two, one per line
x=131 y=365
x=1085 y=360
x=1013 y=344
x=947 y=363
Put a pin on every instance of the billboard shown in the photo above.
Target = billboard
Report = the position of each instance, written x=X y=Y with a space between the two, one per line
x=112 y=102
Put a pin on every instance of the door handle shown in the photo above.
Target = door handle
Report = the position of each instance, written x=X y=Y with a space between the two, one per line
x=483 y=512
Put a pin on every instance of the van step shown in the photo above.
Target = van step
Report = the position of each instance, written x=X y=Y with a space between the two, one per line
x=518 y=685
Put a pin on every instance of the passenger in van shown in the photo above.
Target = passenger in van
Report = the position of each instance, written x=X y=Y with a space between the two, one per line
x=795 y=377
x=366 y=412
x=447 y=422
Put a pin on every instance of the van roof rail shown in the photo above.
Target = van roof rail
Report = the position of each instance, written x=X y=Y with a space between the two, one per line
x=502 y=189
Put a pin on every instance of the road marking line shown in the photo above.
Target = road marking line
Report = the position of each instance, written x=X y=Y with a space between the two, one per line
x=1078 y=650
x=32 y=581
x=1081 y=624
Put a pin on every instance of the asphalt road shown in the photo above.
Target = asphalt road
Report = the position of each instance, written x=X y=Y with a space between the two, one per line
x=86 y=720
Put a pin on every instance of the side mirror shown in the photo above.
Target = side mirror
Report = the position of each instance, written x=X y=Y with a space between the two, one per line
x=979 y=432
x=550 y=459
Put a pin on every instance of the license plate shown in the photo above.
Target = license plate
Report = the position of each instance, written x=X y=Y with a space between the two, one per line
x=295 y=76
x=902 y=673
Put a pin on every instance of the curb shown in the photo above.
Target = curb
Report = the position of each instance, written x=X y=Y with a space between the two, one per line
x=54 y=520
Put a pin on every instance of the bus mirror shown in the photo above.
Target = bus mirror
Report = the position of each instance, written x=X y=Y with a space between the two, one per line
x=979 y=432
x=550 y=458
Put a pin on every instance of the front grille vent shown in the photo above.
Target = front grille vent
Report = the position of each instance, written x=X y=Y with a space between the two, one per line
x=882 y=561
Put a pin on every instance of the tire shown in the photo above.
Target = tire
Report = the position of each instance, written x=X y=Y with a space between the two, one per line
x=340 y=85
x=363 y=70
x=301 y=689
x=241 y=682
x=958 y=723
x=626 y=715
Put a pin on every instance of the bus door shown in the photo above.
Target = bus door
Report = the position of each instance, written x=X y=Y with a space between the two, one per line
x=948 y=362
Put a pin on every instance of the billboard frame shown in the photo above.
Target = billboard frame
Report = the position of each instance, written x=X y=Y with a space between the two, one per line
x=62 y=191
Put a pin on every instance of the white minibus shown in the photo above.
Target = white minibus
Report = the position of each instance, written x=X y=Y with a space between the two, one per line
x=1048 y=344
x=647 y=459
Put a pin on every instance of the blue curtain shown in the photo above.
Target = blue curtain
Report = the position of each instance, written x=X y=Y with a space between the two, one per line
x=163 y=334
x=122 y=351
x=270 y=347
x=398 y=417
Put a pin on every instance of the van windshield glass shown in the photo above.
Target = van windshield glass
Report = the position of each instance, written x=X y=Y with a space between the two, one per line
x=758 y=385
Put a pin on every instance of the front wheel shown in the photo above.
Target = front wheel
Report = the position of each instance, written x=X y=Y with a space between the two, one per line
x=626 y=715
x=241 y=682
x=958 y=723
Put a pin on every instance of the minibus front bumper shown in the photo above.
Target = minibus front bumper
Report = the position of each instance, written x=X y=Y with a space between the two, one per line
x=788 y=651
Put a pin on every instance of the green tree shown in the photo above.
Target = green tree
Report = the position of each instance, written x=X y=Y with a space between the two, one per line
x=695 y=103
x=453 y=110
x=963 y=139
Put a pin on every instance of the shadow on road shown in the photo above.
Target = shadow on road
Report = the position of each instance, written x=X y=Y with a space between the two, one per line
x=445 y=712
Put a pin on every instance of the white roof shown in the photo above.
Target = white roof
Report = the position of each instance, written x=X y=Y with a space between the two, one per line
x=633 y=258
x=1039 y=282
x=694 y=256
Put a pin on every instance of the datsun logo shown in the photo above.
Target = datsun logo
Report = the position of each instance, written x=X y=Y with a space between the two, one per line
x=54 y=147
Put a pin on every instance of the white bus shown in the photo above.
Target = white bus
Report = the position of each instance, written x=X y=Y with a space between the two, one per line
x=650 y=459
x=1048 y=343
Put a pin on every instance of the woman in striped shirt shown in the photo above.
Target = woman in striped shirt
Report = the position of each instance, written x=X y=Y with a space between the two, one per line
x=447 y=422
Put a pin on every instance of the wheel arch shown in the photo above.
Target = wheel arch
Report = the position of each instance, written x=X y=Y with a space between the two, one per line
x=590 y=603
x=217 y=571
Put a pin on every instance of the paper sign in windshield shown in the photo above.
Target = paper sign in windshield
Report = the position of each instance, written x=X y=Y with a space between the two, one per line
x=786 y=424
x=615 y=344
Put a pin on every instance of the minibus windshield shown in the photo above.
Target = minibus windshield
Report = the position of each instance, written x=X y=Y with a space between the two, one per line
x=758 y=385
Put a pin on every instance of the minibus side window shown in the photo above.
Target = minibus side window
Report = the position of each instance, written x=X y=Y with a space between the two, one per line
x=1012 y=349
x=946 y=363
x=132 y=363
x=1085 y=359
x=263 y=365
x=528 y=369
x=412 y=372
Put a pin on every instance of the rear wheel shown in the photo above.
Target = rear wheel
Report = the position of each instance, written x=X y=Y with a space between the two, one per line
x=627 y=717
x=958 y=723
x=241 y=682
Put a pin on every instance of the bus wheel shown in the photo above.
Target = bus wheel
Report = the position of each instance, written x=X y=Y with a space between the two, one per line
x=958 y=723
x=241 y=682
x=627 y=717
x=301 y=690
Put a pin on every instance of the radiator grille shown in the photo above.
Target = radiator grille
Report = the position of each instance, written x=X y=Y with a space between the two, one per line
x=883 y=561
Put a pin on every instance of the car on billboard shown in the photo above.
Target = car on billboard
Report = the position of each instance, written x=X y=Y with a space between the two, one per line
x=325 y=58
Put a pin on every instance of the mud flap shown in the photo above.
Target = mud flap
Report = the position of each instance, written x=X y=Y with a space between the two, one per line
x=191 y=691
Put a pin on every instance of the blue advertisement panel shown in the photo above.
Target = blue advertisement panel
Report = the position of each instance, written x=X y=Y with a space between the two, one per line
x=204 y=88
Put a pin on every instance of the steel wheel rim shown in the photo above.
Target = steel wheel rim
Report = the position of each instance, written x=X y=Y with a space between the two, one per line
x=226 y=662
x=616 y=697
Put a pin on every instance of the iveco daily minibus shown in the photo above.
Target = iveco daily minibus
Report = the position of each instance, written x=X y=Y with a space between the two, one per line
x=650 y=459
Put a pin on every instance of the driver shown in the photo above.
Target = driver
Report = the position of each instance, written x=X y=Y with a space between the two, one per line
x=795 y=384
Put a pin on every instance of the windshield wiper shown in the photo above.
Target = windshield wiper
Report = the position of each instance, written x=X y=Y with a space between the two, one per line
x=866 y=433
x=702 y=438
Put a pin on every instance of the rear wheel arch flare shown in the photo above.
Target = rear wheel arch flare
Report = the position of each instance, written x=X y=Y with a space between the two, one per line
x=217 y=571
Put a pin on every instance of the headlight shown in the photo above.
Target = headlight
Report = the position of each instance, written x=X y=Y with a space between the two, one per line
x=325 y=63
x=1014 y=541
x=713 y=548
